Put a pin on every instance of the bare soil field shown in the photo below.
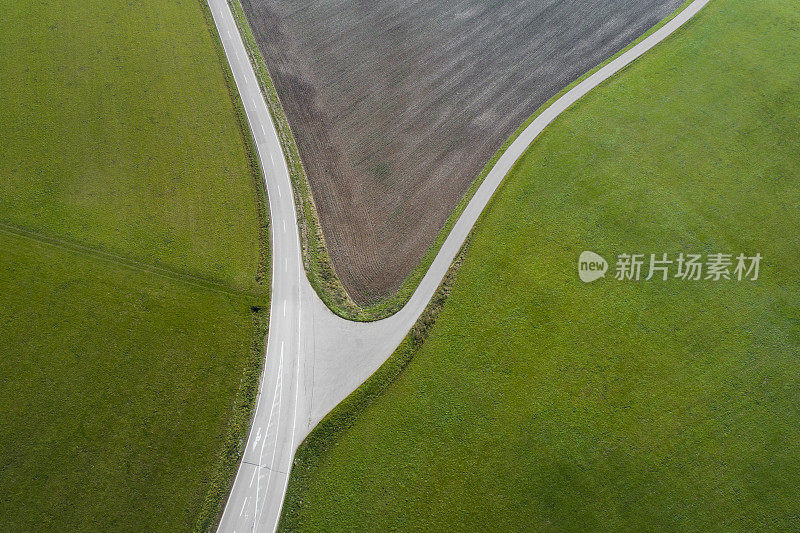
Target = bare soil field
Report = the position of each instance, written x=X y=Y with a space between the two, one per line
x=397 y=105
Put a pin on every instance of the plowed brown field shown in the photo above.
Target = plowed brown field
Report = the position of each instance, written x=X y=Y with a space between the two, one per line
x=397 y=105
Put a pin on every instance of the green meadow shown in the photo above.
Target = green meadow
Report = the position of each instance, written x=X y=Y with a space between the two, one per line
x=539 y=402
x=133 y=266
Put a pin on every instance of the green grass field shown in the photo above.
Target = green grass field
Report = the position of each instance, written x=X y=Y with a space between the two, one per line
x=539 y=402
x=115 y=117
x=132 y=254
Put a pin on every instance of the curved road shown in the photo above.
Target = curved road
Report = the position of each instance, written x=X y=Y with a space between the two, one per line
x=314 y=358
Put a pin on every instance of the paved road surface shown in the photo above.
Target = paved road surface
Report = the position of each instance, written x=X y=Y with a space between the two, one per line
x=314 y=358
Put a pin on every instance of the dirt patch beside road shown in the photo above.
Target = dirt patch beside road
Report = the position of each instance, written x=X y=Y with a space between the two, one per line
x=397 y=105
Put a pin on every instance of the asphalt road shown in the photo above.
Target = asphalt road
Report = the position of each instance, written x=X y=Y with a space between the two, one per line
x=314 y=358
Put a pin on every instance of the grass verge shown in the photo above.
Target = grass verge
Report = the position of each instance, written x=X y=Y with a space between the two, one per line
x=539 y=402
x=221 y=480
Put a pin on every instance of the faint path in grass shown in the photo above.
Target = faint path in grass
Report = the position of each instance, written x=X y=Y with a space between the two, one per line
x=119 y=259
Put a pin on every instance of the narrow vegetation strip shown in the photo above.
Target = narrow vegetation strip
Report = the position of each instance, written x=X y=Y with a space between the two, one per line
x=540 y=402
x=219 y=484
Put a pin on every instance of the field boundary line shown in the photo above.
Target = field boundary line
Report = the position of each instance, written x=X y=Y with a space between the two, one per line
x=95 y=252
